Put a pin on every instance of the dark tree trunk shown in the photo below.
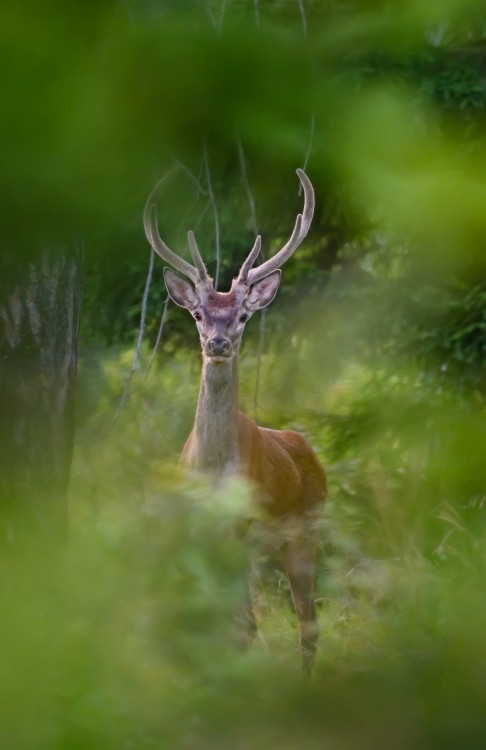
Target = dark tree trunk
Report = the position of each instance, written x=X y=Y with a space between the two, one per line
x=39 y=325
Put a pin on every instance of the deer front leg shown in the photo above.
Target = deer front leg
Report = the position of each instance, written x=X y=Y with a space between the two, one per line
x=299 y=558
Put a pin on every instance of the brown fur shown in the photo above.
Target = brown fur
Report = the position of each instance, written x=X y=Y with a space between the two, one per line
x=284 y=465
x=221 y=300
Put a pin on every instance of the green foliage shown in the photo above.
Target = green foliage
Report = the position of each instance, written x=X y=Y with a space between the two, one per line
x=446 y=330
x=374 y=350
x=102 y=117
x=125 y=637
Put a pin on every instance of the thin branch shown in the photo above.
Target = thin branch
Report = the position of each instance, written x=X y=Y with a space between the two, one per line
x=303 y=16
x=215 y=214
x=217 y=23
x=183 y=221
x=211 y=17
x=313 y=118
x=311 y=140
x=159 y=335
x=309 y=146
x=261 y=335
x=200 y=190
x=140 y=333
x=221 y=15
x=190 y=174
x=257 y=13
x=251 y=200
x=261 y=345
x=203 y=214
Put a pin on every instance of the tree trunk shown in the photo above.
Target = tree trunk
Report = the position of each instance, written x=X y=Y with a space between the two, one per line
x=39 y=326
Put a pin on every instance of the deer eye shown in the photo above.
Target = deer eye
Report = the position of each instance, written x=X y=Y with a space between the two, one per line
x=197 y=316
x=243 y=318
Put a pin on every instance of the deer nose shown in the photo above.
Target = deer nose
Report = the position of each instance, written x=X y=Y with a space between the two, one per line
x=218 y=346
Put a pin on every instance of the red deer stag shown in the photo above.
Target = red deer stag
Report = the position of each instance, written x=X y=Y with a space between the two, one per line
x=290 y=482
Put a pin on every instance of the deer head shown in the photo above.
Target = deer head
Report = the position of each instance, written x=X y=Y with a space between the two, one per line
x=221 y=316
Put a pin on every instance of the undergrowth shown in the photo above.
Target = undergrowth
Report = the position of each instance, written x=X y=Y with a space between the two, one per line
x=125 y=638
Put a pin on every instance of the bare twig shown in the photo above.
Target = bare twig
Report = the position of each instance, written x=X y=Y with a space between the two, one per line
x=313 y=118
x=251 y=200
x=261 y=336
x=221 y=15
x=200 y=190
x=183 y=221
x=303 y=16
x=201 y=217
x=311 y=139
x=140 y=333
x=257 y=13
x=215 y=214
x=159 y=335
x=309 y=146
x=261 y=345
x=217 y=23
x=211 y=16
x=197 y=181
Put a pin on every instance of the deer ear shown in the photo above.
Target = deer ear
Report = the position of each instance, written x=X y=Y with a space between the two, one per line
x=180 y=290
x=263 y=291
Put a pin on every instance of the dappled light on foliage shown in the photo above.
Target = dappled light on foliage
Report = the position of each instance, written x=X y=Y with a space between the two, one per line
x=123 y=636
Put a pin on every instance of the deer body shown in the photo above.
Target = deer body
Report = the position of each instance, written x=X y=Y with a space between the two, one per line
x=289 y=482
x=225 y=442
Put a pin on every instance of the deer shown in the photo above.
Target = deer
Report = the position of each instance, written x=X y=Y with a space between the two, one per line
x=289 y=481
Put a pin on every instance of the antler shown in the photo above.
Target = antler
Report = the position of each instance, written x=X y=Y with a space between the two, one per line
x=300 y=230
x=254 y=253
x=196 y=273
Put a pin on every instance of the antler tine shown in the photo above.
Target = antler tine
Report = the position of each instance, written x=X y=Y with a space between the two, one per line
x=300 y=230
x=196 y=256
x=153 y=236
x=253 y=255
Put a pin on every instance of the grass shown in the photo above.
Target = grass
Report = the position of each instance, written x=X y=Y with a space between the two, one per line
x=124 y=639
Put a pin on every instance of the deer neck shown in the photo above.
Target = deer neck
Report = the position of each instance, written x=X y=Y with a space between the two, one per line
x=215 y=428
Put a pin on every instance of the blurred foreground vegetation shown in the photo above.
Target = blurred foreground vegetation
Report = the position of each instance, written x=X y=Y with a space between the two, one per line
x=374 y=349
x=125 y=636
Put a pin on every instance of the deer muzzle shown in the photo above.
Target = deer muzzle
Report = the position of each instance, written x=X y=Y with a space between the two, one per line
x=219 y=347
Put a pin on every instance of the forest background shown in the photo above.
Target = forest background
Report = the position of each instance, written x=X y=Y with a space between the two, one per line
x=118 y=596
